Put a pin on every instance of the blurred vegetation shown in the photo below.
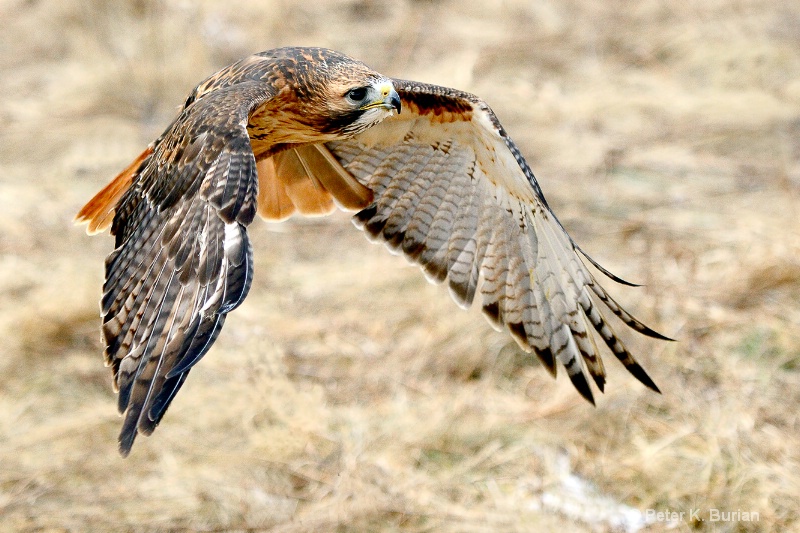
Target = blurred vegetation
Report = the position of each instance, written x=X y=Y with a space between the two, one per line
x=348 y=394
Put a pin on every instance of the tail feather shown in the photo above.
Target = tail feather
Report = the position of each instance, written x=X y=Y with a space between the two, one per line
x=99 y=211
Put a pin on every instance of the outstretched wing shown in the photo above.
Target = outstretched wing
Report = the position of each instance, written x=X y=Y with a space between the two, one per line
x=182 y=259
x=453 y=193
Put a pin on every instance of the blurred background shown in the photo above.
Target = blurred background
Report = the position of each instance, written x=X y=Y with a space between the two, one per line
x=347 y=394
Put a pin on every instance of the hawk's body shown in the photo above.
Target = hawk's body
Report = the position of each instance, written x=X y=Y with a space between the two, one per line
x=302 y=130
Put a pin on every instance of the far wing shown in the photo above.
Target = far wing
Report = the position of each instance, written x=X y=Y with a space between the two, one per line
x=453 y=193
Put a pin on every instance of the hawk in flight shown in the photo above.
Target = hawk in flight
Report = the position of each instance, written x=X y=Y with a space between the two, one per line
x=429 y=171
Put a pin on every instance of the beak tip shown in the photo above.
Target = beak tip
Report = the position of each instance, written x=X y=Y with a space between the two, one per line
x=394 y=101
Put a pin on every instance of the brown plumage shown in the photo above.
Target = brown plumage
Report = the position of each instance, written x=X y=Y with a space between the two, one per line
x=303 y=130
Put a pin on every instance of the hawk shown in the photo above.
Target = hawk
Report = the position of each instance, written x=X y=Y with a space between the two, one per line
x=428 y=170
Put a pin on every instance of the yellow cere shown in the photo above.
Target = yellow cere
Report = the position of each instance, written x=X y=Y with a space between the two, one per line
x=385 y=88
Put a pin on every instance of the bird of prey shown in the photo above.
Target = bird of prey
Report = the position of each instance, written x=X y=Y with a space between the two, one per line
x=428 y=170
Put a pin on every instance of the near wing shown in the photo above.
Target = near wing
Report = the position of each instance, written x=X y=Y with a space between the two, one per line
x=182 y=259
x=453 y=193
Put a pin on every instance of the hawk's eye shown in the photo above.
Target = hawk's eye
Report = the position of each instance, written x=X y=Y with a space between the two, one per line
x=357 y=94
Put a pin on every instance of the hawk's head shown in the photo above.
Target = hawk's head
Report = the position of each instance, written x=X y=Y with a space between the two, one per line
x=331 y=92
x=355 y=105
x=317 y=94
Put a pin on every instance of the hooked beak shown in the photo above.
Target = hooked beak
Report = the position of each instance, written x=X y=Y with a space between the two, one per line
x=389 y=99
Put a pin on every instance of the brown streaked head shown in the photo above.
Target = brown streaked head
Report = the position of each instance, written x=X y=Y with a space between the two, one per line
x=330 y=94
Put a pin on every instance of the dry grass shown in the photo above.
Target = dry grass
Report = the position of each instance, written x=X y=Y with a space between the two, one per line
x=349 y=395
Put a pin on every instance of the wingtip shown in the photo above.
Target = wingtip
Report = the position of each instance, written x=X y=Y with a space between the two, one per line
x=600 y=381
x=126 y=442
x=582 y=386
x=663 y=337
x=639 y=373
x=654 y=334
x=610 y=275
x=546 y=358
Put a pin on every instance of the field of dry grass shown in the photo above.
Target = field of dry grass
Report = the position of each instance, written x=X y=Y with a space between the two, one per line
x=347 y=394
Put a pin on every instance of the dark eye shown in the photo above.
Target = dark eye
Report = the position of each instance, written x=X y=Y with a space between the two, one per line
x=357 y=94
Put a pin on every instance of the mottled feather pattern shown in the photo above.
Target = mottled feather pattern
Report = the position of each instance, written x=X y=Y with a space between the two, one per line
x=277 y=134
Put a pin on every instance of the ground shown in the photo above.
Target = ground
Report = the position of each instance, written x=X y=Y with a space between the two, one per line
x=347 y=394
